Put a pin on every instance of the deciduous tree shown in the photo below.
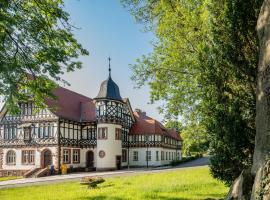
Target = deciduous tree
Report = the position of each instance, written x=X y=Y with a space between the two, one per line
x=36 y=41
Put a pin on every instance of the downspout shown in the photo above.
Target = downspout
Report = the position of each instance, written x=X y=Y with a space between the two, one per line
x=59 y=147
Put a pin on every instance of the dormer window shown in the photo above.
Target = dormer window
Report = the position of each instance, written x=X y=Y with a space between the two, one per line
x=27 y=108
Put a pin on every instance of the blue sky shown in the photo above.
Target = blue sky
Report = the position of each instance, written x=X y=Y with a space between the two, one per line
x=106 y=28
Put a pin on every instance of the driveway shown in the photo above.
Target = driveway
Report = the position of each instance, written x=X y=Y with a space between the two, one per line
x=76 y=176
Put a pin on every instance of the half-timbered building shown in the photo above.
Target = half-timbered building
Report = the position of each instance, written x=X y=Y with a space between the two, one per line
x=103 y=133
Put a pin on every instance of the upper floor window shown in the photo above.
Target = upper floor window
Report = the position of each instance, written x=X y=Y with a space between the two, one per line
x=27 y=108
x=45 y=130
x=118 y=133
x=27 y=133
x=10 y=132
x=11 y=157
x=103 y=133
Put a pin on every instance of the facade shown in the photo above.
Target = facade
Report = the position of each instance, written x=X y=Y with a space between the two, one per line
x=103 y=133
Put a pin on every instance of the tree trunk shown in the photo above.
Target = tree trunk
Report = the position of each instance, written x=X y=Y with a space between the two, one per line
x=262 y=141
x=261 y=168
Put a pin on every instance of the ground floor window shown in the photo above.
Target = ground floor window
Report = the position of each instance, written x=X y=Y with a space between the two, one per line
x=157 y=155
x=166 y=155
x=28 y=157
x=135 y=156
x=124 y=155
x=162 y=155
x=11 y=157
x=76 y=155
x=66 y=156
x=148 y=155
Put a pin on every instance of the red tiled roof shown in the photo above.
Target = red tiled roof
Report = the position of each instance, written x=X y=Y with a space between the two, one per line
x=71 y=105
x=149 y=126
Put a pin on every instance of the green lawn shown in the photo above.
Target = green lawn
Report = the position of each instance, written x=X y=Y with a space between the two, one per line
x=182 y=184
x=9 y=178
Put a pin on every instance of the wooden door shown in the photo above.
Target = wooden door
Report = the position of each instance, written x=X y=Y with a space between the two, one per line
x=47 y=158
x=118 y=162
x=90 y=159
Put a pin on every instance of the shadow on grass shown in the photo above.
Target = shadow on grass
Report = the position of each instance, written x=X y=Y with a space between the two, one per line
x=102 y=197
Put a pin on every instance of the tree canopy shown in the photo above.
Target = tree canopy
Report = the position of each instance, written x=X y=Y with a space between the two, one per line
x=36 y=47
x=204 y=62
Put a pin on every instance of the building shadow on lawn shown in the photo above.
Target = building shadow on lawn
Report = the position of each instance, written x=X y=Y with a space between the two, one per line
x=201 y=197
x=102 y=197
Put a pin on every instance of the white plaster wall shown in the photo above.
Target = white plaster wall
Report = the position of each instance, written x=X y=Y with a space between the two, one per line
x=20 y=166
x=142 y=156
x=111 y=147
x=82 y=157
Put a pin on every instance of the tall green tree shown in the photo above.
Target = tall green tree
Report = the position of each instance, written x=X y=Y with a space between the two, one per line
x=204 y=61
x=36 y=47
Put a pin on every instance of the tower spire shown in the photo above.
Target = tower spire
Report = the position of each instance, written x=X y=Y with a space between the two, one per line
x=109 y=66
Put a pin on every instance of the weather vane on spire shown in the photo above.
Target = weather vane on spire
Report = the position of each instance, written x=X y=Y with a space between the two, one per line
x=109 y=66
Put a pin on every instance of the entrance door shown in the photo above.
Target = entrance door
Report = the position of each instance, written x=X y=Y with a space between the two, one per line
x=90 y=159
x=47 y=158
x=118 y=162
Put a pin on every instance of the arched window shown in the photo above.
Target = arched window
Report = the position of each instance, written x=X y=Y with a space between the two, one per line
x=11 y=157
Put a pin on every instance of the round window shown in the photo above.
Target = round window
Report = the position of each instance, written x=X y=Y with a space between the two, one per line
x=101 y=154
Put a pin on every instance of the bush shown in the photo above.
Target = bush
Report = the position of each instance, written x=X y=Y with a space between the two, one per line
x=185 y=159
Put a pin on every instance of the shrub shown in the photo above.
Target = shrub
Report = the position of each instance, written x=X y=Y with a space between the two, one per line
x=185 y=159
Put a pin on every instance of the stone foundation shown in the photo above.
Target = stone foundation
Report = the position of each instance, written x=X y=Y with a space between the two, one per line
x=12 y=172
x=1 y=158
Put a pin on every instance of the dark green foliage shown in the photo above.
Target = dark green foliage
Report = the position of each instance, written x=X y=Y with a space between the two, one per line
x=204 y=65
x=36 y=41
x=185 y=159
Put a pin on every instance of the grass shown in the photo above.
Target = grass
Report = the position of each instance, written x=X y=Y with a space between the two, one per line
x=185 y=184
x=6 y=178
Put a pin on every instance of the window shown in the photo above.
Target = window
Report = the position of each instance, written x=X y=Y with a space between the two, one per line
x=124 y=155
x=118 y=132
x=27 y=108
x=162 y=155
x=45 y=130
x=103 y=133
x=10 y=132
x=11 y=157
x=169 y=155
x=27 y=133
x=148 y=155
x=76 y=155
x=135 y=156
x=28 y=157
x=66 y=156
x=166 y=155
x=157 y=155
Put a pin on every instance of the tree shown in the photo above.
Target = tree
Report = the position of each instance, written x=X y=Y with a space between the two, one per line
x=204 y=62
x=36 y=47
